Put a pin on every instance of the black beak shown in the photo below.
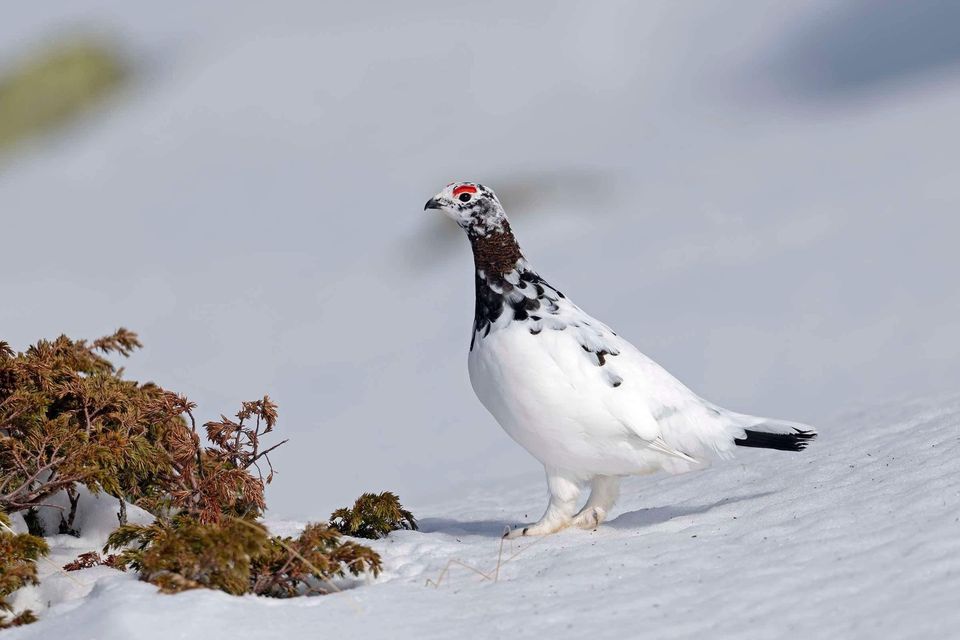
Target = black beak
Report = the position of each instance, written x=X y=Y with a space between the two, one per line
x=431 y=204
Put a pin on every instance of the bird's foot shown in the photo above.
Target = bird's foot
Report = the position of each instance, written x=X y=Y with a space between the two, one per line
x=589 y=518
x=542 y=528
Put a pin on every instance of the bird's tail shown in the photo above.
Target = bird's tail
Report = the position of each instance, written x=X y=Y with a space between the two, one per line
x=773 y=434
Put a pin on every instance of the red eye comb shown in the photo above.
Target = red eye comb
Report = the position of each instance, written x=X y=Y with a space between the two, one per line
x=466 y=188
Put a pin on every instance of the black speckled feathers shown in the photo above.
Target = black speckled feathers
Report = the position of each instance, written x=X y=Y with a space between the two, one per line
x=508 y=290
x=521 y=293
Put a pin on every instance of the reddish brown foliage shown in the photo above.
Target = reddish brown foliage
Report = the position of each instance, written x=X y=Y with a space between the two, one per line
x=94 y=559
x=68 y=418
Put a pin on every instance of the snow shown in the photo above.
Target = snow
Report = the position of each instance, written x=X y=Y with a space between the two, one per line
x=760 y=196
x=857 y=537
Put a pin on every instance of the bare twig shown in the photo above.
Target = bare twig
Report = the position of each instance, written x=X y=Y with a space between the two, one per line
x=266 y=451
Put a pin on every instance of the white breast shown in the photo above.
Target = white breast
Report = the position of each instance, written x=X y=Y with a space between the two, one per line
x=553 y=400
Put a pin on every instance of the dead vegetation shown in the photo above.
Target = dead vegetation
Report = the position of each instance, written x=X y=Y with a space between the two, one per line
x=68 y=418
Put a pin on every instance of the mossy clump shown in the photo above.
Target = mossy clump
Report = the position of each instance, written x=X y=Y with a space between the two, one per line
x=18 y=555
x=373 y=516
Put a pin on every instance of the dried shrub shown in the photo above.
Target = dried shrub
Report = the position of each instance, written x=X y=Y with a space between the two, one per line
x=307 y=563
x=239 y=556
x=68 y=418
x=216 y=481
x=94 y=559
x=187 y=554
x=373 y=516
x=18 y=554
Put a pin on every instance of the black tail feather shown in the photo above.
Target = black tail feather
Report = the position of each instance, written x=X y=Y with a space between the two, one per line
x=796 y=441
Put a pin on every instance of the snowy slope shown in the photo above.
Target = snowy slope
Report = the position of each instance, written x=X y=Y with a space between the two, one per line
x=858 y=537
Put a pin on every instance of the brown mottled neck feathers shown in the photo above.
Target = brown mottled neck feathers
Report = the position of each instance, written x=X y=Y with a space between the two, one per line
x=496 y=253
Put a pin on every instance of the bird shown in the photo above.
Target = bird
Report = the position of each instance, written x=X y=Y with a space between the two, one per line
x=580 y=398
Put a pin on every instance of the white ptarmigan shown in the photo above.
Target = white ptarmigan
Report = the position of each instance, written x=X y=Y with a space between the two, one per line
x=584 y=401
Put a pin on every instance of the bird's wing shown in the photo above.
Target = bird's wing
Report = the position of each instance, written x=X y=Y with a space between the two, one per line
x=640 y=394
x=619 y=383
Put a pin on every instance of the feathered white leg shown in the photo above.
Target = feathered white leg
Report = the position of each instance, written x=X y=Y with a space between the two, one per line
x=564 y=490
x=604 y=491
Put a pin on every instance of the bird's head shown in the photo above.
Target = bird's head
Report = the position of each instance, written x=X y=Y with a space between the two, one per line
x=472 y=206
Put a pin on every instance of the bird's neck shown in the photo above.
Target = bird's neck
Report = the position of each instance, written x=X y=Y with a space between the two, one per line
x=495 y=254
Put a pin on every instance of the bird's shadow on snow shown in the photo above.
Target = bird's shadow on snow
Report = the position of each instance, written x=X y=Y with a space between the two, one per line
x=451 y=527
x=630 y=520
x=657 y=515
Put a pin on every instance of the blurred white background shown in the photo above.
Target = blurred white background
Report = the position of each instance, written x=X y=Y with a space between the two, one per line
x=761 y=196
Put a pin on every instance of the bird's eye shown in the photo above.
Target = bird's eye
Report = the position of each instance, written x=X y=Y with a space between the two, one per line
x=464 y=192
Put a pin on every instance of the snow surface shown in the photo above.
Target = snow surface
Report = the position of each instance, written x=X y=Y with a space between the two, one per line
x=857 y=537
